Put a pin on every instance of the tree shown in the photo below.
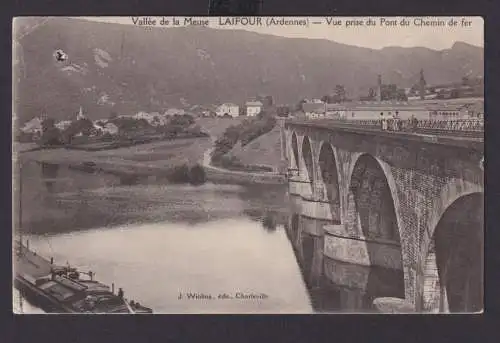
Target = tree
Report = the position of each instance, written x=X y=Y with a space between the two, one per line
x=340 y=92
x=85 y=126
x=327 y=99
x=371 y=93
x=389 y=92
x=242 y=111
x=50 y=134
x=112 y=115
x=283 y=111
x=298 y=107
x=47 y=123
x=401 y=95
x=197 y=175
x=267 y=100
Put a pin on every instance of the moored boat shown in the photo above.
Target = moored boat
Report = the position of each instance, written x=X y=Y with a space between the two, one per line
x=62 y=289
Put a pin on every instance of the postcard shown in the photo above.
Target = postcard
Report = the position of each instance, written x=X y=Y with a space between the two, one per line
x=167 y=165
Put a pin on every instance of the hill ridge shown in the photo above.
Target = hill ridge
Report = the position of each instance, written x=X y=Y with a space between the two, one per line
x=155 y=69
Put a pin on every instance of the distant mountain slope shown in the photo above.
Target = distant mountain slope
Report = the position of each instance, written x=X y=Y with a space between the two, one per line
x=124 y=68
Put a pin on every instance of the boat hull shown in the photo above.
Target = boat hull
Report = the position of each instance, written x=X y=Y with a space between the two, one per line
x=38 y=298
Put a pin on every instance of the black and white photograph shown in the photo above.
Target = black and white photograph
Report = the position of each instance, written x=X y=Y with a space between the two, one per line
x=248 y=165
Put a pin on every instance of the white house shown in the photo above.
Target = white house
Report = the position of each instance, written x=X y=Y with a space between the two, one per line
x=449 y=111
x=174 y=111
x=33 y=126
x=314 y=110
x=253 y=108
x=153 y=119
x=110 y=128
x=335 y=111
x=229 y=109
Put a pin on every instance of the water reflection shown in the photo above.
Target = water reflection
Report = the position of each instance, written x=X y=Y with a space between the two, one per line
x=337 y=286
x=49 y=174
x=215 y=237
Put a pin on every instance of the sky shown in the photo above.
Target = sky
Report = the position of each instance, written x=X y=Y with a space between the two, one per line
x=467 y=29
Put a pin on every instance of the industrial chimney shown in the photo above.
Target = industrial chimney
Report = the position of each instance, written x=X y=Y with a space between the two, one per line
x=379 y=87
x=422 y=85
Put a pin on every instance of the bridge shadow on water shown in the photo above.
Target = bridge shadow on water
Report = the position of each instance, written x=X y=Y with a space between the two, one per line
x=337 y=286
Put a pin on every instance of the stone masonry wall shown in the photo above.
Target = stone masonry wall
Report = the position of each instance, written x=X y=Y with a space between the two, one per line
x=425 y=177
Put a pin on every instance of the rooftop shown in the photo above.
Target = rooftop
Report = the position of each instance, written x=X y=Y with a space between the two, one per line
x=254 y=103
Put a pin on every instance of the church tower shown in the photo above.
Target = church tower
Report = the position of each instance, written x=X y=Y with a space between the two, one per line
x=80 y=114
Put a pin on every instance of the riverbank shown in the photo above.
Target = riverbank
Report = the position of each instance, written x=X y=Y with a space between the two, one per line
x=151 y=159
x=217 y=174
x=153 y=162
x=257 y=153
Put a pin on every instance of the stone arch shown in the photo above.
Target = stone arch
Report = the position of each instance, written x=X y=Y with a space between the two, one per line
x=307 y=156
x=373 y=184
x=328 y=167
x=455 y=254
x=448 y=195
x=295 y=151
x=372 y=214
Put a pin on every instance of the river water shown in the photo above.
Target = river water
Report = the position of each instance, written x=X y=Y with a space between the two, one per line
x=161 y=243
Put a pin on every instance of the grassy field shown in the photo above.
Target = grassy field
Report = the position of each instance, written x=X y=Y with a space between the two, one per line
x=262 y=151
x=143 y=158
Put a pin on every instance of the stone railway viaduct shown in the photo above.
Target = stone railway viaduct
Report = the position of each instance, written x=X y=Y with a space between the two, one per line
x=405 y=202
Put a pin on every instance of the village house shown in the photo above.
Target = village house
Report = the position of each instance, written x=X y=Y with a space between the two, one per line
x=110 y=128
x=229 y=109
x=173 y=111
x=253 y=108
x=457 y=110
x=335 y=111
x=33 y=126
x=153 y=119
x=428 y=96
x=374 y=109
x=314 y=110
x=448 y=112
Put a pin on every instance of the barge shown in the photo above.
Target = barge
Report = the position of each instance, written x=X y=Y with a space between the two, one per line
x=62 y=289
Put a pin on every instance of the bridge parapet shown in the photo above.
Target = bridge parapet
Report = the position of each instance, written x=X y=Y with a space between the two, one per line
x=473 y=128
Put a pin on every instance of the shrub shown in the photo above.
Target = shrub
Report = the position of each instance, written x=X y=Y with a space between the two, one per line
x=51 y=136
x=197 y=175
x=129 y=179
x=180 y=174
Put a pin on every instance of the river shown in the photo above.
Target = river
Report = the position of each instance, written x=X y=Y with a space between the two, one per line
x=161 y=243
